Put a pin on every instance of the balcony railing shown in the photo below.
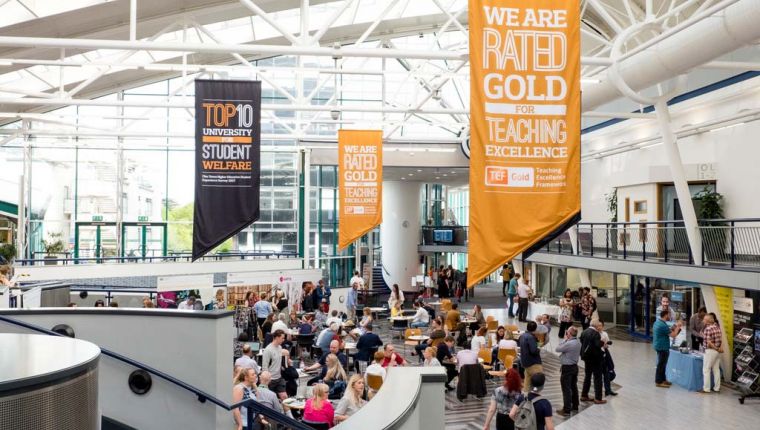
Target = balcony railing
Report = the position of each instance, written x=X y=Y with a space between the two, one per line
x=65 y=258
x=731 y=243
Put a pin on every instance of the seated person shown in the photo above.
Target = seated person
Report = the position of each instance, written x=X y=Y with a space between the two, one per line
x=247 y=360
x=306 y=326
x=366 y=319
x=445 y=356
x=333 y=319
x=320 y=317
x=375 y=368
x=480 y=320
x=430 y=359
x=503 y=341
x=453 y=318
x=318 y=409
x=392 y=358
x=326 y=336
x=465 y=357
x=352 y=399
x=479 y=340
x=396 y=309
x=333 y=374
x=544 y=325
x=421 y=317
x=436 y=332
x=321 y=364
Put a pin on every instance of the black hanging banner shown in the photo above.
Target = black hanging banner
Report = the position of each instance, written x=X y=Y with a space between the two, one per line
x=227 y=160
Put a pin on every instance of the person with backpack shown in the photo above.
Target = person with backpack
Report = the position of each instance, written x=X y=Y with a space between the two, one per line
x=533 y=411
x=593 y=356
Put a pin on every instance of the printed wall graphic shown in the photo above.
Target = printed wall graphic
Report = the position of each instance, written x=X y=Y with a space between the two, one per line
x=227 y=160
x=524 y=127
x=360 y=171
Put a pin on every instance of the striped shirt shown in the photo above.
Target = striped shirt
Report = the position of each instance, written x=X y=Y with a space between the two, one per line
x=711 y=333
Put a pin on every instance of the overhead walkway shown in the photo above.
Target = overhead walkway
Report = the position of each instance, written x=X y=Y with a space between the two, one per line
x=731 y=251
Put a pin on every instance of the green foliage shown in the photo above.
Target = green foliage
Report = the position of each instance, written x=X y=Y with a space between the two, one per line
x=612 y=204
x=8 y=251
x=53 y=244
x=181 y=230
x=710 y=204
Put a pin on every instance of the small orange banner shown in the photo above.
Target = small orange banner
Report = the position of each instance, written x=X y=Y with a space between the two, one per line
x=360 y=172
x=524 y=127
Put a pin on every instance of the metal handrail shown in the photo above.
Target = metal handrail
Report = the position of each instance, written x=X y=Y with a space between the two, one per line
x=202 y=396
x=172 y=257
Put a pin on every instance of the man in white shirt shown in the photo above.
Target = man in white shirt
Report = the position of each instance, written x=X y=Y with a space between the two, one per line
x=281 y=324
x=421 y=318
x=465 y=357
x=188 y=304
x=246 y=360
x=523 y=293
x=376 y=367
x=356 y=279
x=333 y=319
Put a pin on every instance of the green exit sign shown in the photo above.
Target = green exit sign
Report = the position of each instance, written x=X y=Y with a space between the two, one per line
x=142 y=218
x=97 y=218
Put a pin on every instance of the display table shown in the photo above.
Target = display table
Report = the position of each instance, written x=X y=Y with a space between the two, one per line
x=685 y=370
x=535 y=309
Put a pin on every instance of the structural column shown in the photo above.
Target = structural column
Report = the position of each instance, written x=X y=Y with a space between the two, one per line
x=400 y=232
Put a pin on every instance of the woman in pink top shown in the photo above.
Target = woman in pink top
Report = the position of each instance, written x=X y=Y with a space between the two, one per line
x=318 y=409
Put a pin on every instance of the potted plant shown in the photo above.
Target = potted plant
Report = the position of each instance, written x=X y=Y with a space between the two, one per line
x=53 y=246
x=8 y=252
x=709 y=205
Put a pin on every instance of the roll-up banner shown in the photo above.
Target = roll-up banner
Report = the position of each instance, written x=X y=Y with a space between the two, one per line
x=360 y=171
x=227 y=160
x=524 y=127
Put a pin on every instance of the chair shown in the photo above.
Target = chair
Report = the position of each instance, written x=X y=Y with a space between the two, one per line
x=374 y=382
x=507 y=362
x=317 y=426
x=304 y=341
x=490 y=318
x=485 y=354
x=511 y=328
x=492 y=325
x=541 y=337
x=505 y=354
x=411 y=332
x=399 y=326
x=445 y=305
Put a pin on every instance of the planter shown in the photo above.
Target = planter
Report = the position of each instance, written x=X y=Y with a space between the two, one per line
x=50 y=260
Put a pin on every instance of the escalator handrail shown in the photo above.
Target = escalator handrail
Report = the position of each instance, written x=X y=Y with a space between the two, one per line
x=202 y=395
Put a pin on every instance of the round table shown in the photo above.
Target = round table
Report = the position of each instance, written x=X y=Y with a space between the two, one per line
x=294 y=403
x=469 y=320
x=402 y=317
x=349 y=345
x=419 y=338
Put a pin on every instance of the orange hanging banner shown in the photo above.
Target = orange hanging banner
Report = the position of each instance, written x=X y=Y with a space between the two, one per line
x=524 y=127
x=360 y=173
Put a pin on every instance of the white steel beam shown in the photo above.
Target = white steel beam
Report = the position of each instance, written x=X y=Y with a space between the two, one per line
x=269 y=20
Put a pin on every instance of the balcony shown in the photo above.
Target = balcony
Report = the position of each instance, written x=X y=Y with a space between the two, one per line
x=731 y=244
x=443 y=238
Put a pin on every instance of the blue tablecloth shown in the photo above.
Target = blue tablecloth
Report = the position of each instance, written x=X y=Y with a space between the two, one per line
x=685 y=370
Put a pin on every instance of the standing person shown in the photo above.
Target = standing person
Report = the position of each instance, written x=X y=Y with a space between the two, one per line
x=570 y=352
x=608 y=366
x=358 y=280
x=502 y=400
x=523 y=293
x=661 y=335
x=591 y=353
x=696 y=325
x=323 y=291
x=566 y=306
x=271 y=361
x=511 y=293
x=463 y=281
x=541 y=406
x=713 y=340
x=397 y=296
x=443 y=290
x=530 y=354
x=588 y=306
x=243 y=390
x=352 y=299
x=262 y=309
x=307 y=298
x=504 y=279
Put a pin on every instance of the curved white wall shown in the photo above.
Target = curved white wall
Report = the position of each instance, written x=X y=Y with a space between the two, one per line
x=400 y=232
